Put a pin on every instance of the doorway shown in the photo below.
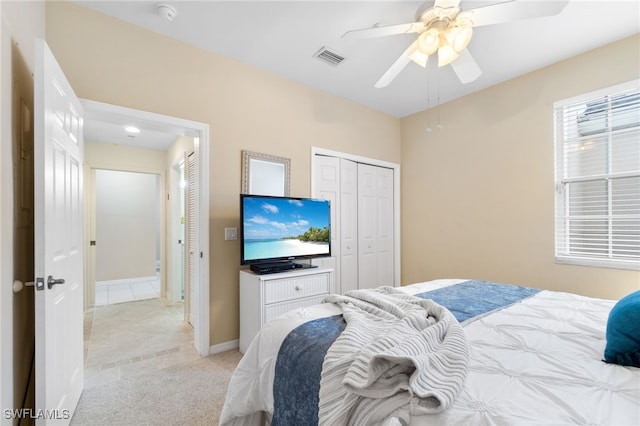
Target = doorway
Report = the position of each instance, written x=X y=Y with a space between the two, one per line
x=128 y=227
x=198 y=134
x=182 y=252
x=176 y=228
x=134 y=327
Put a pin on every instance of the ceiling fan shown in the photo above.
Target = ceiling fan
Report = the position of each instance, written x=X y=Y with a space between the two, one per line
x=444 y=28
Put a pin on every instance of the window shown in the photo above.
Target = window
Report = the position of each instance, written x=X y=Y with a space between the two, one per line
x=598 y=178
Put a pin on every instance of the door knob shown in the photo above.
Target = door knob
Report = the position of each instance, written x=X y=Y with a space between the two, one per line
x=19 y=285
x=52 y=281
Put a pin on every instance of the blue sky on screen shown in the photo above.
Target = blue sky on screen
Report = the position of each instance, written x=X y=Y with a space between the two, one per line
x=268 y=218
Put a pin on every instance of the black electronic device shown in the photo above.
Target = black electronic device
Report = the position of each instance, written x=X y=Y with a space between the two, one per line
x=275 y=267
x=276 y=231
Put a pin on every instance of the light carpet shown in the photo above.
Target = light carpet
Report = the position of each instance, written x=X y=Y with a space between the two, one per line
x=191 y=393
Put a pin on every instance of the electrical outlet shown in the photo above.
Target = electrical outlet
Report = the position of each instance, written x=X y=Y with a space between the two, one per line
x=230 y=233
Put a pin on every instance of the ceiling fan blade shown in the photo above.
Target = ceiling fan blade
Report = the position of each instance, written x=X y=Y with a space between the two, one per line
x=466 y=67
x=397 y=66
x=513 y=11
x=412 y=27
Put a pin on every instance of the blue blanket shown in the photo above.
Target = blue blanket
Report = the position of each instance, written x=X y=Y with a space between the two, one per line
x=472 y=298
x=296 y=385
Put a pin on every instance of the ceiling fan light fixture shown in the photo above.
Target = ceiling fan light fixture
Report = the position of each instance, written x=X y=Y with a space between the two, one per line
x=446 y=55
x=459 y=37
x=419 y=58
x=429 y=41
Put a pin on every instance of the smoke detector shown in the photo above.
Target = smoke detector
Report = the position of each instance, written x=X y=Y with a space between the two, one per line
x=167 y=11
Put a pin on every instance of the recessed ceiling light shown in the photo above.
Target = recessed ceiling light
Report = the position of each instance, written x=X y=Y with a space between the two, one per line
x=132 y=129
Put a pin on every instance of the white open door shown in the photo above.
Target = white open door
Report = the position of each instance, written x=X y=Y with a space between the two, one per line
x=58 y=159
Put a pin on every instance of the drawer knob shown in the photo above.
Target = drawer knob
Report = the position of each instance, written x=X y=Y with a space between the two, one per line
x=298 y=288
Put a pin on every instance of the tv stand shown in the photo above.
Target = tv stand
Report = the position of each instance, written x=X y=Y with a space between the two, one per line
x=276 y=267
x=264 y=297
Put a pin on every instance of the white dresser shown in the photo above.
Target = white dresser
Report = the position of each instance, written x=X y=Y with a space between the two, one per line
x=263 y=297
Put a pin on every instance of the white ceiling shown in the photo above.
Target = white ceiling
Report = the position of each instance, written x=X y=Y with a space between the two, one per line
x=98 y=130
x=282 y=37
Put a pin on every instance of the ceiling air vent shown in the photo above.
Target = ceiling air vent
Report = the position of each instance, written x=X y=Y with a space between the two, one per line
x=329 y=56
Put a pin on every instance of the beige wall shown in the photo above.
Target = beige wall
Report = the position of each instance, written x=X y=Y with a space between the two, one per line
x=176 y=152
x=111 y=61
x=114 y=157
x=120 y=157
x=126 y=214
x=478 y=195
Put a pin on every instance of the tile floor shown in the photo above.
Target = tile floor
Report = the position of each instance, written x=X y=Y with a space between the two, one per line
x=110 y=292
x=126 y=339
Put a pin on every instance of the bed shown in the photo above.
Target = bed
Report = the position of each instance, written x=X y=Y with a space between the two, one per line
x=513 y=355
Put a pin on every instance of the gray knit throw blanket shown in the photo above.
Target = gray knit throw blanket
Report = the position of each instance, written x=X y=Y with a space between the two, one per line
x=399 y=356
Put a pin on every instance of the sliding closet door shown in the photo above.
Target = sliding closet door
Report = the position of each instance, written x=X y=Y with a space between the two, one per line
x=362 y=221
x=336 y=179
x=327 y=187
x=348 y=224
x=375 y=226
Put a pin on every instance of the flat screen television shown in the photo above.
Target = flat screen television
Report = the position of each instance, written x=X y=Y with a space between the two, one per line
x=283 y=229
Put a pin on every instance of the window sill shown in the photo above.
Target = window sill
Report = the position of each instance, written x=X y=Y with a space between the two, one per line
x=599 y=263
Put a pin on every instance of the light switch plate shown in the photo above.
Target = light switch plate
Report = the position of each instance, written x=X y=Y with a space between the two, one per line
x=230 y=233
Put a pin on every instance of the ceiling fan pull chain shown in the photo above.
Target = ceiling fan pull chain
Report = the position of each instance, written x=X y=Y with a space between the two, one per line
x=428 y=99
x=439 y=126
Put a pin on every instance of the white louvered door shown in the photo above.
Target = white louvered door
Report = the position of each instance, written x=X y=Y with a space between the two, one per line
x=191 y=236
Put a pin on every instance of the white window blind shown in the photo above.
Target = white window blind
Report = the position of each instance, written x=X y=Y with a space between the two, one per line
x=598 y=178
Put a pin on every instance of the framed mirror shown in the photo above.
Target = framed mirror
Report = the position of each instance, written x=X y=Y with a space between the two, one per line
x=264 y=174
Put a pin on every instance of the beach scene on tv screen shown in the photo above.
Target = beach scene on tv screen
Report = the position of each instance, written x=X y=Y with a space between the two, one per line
x=275 y=228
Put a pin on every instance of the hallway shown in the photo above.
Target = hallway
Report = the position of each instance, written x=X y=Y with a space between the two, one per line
x=109 y=292
x=129 y=339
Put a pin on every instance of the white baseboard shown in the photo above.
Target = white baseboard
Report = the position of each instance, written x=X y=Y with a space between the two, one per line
x=127 y=280
x=223 y=347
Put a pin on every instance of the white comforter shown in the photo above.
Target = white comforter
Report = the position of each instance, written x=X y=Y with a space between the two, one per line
x=536 y=362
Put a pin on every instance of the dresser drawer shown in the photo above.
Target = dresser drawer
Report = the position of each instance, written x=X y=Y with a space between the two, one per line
x=264 y=297
x=277 y=309
x=284 y=289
